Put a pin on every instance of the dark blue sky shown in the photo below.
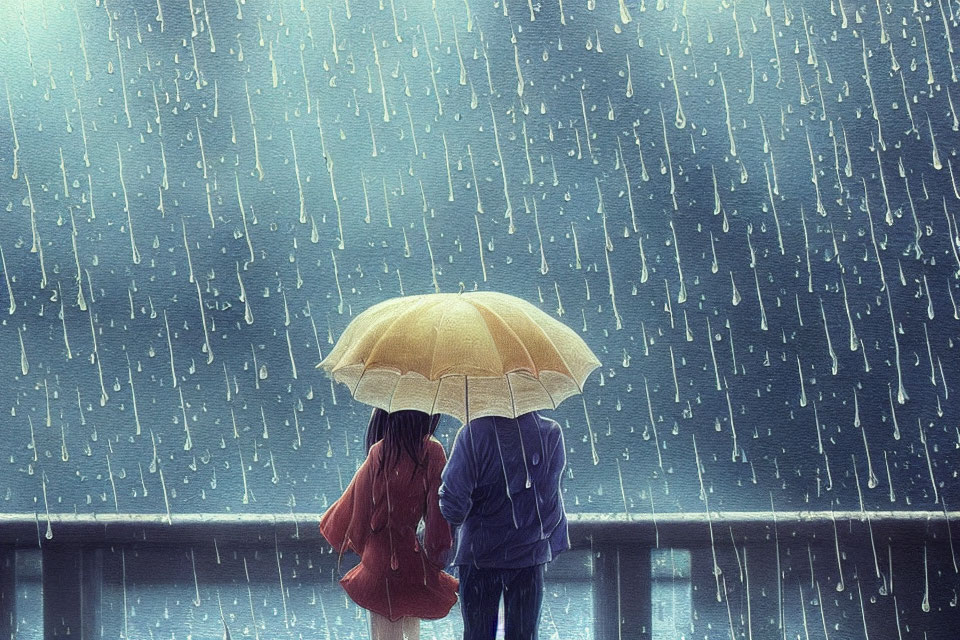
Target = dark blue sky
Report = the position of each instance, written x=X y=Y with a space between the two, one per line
x=757 y=434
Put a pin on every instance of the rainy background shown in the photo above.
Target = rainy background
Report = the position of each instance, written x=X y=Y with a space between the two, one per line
x=747 y=209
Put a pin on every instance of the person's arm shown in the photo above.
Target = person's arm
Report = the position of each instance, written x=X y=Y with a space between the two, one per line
x=437 y=538
x=458 y=480
x=554 y=490
x=558 y=535
x=346 y=522
x=558 y=461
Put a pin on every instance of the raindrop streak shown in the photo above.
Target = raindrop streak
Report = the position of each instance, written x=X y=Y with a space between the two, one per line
x=706 y=507
x=427 y=202
x=123 y=185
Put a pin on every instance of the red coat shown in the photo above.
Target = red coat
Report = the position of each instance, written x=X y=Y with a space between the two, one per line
x=377 y=517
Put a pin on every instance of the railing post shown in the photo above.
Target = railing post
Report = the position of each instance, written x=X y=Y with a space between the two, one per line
x=621 y=609
x=605 y=623
x=62 y=614
x=8 y=605
x=72 y=581
x=91 y=587
x=635 y=591
x=28 y=593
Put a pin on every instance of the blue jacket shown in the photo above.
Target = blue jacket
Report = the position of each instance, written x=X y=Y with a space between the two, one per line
x=501 y=490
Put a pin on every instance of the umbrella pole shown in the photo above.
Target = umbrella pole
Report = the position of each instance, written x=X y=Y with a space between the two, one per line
x=466 y=424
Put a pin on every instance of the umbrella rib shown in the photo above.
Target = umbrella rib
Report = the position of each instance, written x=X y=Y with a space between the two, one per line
x=542 y=386
x=436 y=396
x=513 y=402
x=392 y=323
x=394 y=393
x=349 y=331
x=549 y=395
x=357 y=386
x=513 y=333
x=433 y=356
x=554 y=345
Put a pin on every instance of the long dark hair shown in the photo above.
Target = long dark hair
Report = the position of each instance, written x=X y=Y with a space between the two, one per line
x=403 y=432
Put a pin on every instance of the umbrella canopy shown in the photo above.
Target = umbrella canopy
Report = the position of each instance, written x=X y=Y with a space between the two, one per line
x=479 y=353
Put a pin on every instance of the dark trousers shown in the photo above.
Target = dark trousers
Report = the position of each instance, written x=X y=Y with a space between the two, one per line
x=480 y=591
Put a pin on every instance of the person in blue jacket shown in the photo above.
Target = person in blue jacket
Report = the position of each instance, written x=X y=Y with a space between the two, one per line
x=500 y=490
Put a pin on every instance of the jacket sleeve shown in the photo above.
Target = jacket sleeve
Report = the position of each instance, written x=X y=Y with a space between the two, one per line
x=346 y=522
x=558 y=461
x=458 y=480
x=437 y=539
x=558 y=533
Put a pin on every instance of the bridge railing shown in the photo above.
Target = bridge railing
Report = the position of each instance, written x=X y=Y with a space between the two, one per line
x=751 y=572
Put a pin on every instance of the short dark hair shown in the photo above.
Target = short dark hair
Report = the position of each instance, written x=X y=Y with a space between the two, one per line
x=403 y=432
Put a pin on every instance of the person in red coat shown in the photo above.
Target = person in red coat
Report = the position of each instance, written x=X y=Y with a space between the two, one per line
x=400 y=578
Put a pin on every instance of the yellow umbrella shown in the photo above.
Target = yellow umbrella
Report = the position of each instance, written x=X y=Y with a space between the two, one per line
x=467 y=355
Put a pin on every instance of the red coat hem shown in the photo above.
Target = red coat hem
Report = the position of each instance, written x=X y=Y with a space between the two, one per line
x=434 y=605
